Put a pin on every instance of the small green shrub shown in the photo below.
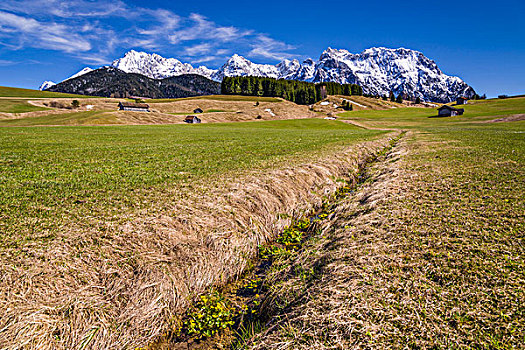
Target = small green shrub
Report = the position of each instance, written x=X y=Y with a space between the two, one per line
x=290 y=236
x=252 y=284
x=266 y=252
x=211 y=314
x=302 y=224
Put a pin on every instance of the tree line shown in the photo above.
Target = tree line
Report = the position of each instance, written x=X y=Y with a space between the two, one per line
x=299 y=92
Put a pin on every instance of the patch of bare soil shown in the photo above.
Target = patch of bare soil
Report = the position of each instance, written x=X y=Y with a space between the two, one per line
x=124 y=283
x=510 y=118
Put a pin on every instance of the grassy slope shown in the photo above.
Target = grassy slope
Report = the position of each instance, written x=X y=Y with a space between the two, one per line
x=18 y=106
x=18 y=92
x=46 y=171
x=439 y=263
x=220 y=98
x=73 y=118
x=416 y=118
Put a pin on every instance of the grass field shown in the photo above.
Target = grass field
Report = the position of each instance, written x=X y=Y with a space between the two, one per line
x=28 y=93
x=429 y=254
x=219 y=98
x=417 y=118
x=70 y=195
x=18 y=106
x=106 y=230
x=71 y=118
x=47 y=170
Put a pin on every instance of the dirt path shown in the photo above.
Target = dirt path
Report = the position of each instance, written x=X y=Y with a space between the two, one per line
x=361 y=125
x=510 y=118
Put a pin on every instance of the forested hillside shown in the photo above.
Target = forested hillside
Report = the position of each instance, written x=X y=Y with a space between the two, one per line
x=112 y=82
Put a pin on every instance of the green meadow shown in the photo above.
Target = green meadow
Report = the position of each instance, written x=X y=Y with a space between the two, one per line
x=28 y=93
x=417 y=118
x=51 y=175
x=434 y=261
x=447 y=266
x=18 y=106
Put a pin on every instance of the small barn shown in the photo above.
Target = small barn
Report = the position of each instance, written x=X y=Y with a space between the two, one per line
x=448 y=111
x=192 y=119
x=461 y=101
x=198 y=110
x=134 y=107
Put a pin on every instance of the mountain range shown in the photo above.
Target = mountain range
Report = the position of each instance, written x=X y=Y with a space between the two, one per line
x=113 y=82
x=378 y=70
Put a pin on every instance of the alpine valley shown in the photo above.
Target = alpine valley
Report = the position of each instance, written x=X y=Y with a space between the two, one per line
x=378 y=70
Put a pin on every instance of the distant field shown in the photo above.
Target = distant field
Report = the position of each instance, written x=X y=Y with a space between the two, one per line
x=415 y=118
x=18 y=92
x=219 y=98
x=73 y=118
x=18 y=106
x=104 y=111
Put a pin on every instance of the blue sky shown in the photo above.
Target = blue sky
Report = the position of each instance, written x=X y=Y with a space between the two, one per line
x=482 y=42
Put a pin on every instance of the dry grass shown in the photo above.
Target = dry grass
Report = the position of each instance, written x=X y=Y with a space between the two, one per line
x=510 y=118
x=413 y=260
x=359 y=103
x=165 y=112
x=119 y=283
x=174 y=111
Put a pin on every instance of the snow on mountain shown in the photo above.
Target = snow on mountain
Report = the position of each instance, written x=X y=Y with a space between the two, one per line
x=82 y=72
x=378 y=70
x=46 y=85
x=240 y=66
x=156 y=66
x=381 y=70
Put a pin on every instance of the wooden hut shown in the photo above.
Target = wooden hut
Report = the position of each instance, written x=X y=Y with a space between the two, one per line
x=448 y=111
x=192 y=119
x=134 y=107
x=461 y=101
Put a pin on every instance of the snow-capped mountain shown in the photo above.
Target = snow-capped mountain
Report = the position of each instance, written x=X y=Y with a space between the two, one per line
x=46 y=85
x=156 y=66
x=240 y=66
x=378 y=70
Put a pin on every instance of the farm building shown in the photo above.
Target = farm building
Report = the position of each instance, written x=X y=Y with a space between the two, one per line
x=135 y=107
x=198 y=110
x=448 y=111
x=191 y=119
x=461 y=101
